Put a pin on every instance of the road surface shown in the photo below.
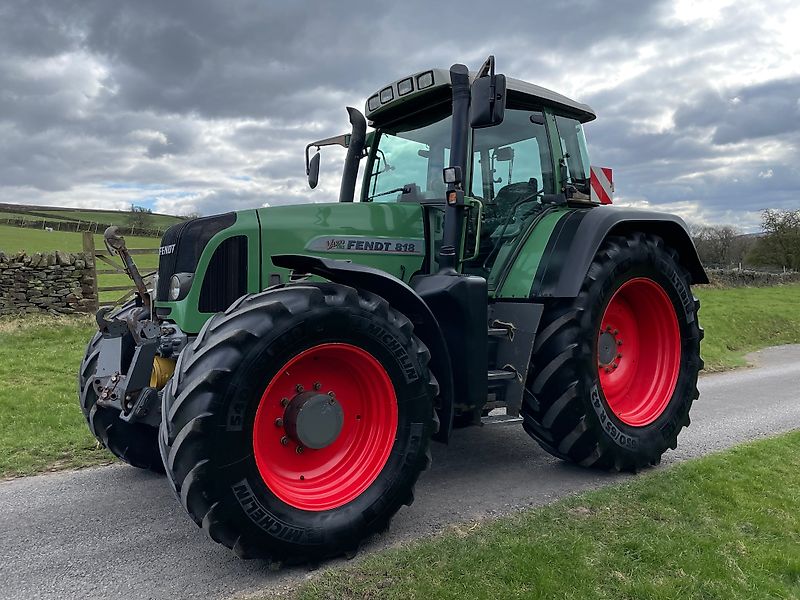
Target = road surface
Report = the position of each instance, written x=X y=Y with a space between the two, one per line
x=117 y=532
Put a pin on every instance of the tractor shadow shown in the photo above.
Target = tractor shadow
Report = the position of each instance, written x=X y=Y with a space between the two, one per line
x=485 y=472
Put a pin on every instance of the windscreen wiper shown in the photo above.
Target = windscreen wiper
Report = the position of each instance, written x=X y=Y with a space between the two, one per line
x=406 y=189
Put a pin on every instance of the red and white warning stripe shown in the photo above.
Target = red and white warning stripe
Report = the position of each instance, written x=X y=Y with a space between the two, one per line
x=602 y=184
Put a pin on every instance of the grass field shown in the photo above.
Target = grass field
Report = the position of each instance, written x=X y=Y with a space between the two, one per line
x=117 y=218
x=725 y=526
x=740 y=320
x=82 y=214
x=41 y=426
x=14 y=239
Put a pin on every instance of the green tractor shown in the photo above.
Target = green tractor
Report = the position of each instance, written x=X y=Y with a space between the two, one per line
x=291 y=365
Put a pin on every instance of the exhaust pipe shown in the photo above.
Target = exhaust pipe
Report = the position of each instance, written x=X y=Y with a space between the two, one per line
x=354 y=151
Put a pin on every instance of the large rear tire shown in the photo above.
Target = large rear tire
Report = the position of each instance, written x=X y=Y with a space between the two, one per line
x=238 y=457
x=133 y=443
x=614 y=370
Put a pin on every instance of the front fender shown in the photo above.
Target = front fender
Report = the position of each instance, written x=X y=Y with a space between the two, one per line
x=401 y=297
x=568 y=254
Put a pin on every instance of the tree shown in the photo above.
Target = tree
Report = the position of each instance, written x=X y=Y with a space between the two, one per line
x=140 y=217
x=780 y=244
x=717 y=244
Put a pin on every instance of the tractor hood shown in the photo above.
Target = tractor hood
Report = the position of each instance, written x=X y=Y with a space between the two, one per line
x=215 y=260
x=388 y=236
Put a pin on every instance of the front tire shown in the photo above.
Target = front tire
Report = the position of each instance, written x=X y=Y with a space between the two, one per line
x=614 y=370
x=236 y=453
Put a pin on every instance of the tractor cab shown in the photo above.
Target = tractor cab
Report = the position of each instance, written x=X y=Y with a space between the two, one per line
x=534 y=159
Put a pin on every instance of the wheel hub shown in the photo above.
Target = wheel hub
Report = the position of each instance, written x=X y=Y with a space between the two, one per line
x=313 y=420
x=607 y=348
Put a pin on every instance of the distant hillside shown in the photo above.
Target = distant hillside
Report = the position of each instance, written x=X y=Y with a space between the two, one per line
x=81 y=215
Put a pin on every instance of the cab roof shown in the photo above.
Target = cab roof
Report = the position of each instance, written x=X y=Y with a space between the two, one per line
x=432 y=86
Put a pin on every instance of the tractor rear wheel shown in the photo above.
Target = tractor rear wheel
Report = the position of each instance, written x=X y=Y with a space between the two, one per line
x=134 y=443
x=298 y=422
x=614 y=370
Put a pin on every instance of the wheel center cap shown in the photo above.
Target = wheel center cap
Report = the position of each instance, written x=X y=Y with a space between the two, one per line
x=606 y=348
x=314 y=420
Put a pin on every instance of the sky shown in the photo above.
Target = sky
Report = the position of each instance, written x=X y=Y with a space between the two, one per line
x=202 y=106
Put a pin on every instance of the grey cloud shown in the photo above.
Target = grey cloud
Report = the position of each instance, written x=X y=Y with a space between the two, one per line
x=767 y=109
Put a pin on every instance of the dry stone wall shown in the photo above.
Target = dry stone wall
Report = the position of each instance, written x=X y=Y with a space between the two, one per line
x=56 y=282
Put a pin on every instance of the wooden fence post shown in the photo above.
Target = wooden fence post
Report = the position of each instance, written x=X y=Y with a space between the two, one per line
x=90 y=255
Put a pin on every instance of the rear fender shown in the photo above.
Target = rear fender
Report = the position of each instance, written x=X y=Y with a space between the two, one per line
x=567 y=256
x=401 y=297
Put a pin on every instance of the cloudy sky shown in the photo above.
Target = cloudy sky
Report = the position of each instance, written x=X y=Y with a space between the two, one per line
x=204 y=106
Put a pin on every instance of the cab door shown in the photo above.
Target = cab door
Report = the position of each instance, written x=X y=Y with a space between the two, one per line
x=511 y=172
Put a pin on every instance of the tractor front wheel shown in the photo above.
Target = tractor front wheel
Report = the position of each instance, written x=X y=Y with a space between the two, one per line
x=614 y=370
x=298 y=422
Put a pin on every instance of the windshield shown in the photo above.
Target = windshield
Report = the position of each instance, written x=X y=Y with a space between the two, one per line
x=408 y=161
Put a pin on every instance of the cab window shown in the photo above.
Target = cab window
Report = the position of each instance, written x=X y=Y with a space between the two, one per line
x=511 y=168
x=573 y=147
x=408 y=161
x=514 y=152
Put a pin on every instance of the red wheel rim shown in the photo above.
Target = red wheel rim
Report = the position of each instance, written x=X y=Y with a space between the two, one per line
x=332 y=476
x=639 y=351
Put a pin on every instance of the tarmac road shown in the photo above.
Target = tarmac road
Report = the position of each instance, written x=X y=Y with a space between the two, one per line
x=117 y=532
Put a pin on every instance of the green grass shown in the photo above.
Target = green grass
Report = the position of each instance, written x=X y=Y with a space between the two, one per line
x=117 y=218
x=15 y=239
x=725 y=526
x=741 y=320
x=82 y=214
x=14 y=215
x=41 y=426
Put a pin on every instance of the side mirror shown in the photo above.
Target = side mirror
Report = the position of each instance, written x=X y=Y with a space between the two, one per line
x=504 y=154
x=313 y=171
x=488 y=103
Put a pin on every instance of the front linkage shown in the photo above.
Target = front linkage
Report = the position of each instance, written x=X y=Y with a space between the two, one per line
x=135 y=357
x=122 y=384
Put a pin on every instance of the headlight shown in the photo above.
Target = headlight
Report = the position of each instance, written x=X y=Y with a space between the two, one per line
x=179 y=285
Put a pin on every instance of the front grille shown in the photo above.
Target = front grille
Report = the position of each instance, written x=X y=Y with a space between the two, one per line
x=189 y=239
x=225 y=279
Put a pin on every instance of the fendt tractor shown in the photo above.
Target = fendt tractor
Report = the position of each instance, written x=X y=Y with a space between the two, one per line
x=290 y=365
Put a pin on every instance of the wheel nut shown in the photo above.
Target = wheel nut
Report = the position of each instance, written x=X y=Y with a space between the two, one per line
x=331 y=394
x=614 y=365
x=284 y=402
x=608 y=370
x=298 y=388
x=285 y=441
x=616 y=332
x=278 y=422
x=619 y=342
x=619 y=355
x=299 y=449
x=608 y=327
x=317 y=385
